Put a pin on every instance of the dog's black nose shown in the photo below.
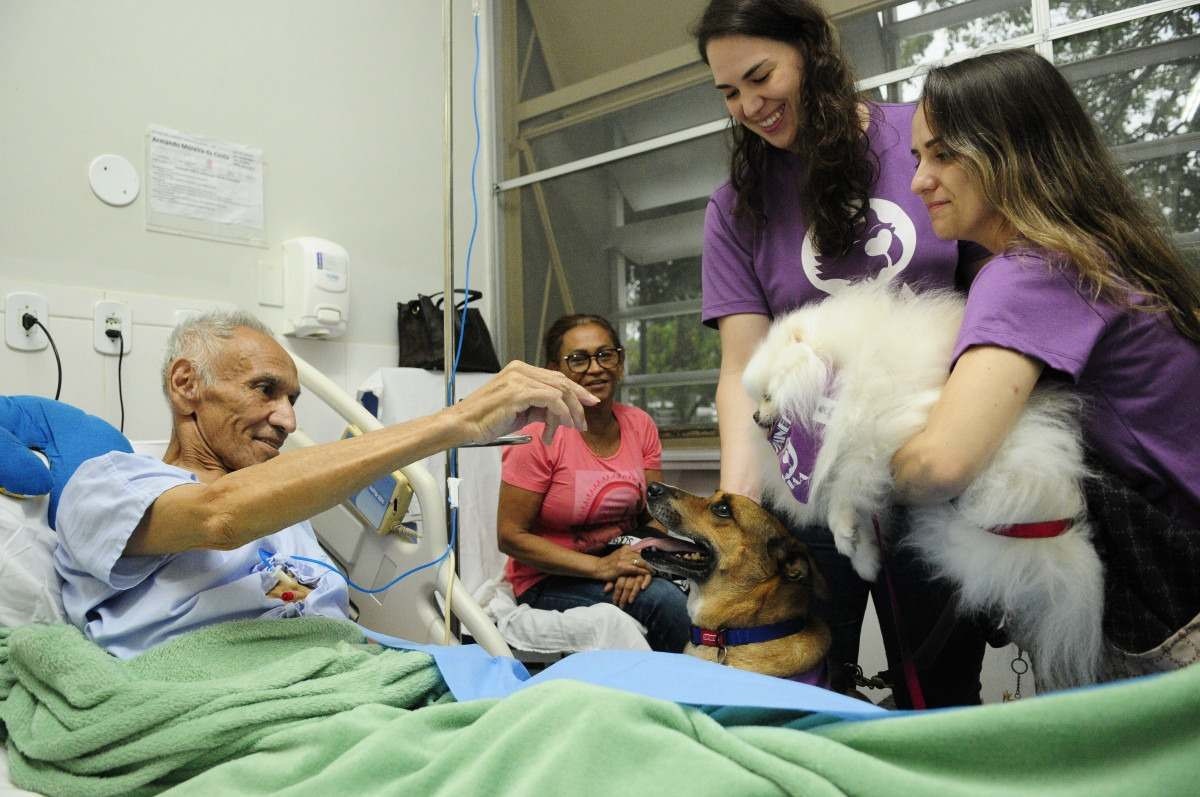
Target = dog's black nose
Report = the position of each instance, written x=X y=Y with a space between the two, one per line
x=756 y=420
x=655 y=490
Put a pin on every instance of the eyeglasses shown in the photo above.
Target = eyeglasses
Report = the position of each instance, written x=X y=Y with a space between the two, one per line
x=579 y=361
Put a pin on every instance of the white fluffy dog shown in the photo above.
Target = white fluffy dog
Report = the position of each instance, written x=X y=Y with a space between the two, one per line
x=843 y=384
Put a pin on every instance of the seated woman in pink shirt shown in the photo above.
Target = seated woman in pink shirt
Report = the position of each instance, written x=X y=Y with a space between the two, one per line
x=562 y=504
x=1086 y=288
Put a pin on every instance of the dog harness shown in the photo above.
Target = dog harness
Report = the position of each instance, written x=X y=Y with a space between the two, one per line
x=728 y=637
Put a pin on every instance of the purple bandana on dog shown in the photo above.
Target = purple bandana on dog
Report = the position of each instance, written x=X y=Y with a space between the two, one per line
x=797 y=447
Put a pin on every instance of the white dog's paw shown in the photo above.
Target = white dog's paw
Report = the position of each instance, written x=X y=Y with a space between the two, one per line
x=845 y=532
x=866 y=560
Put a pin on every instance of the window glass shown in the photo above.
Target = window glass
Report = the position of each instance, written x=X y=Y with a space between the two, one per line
x=580 y=132
x=592 y=77
x=670 y=366
x=1064 y=11
x=657 y=283
x=667 y=344
x=678 y=410
x=627 y=234
x=1140 y=82
x=906 y=34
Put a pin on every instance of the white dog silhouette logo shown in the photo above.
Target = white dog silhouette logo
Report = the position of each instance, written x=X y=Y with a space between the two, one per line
x=884 y=250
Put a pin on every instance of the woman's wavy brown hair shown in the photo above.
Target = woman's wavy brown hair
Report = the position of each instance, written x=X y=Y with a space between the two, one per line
x=1012 y=122
x=839 y=168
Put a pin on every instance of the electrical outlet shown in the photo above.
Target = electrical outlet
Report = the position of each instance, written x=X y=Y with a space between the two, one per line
x=16 y=305
x=113 y=317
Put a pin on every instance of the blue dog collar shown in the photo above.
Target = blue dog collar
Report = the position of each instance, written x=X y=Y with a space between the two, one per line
x=728 y=637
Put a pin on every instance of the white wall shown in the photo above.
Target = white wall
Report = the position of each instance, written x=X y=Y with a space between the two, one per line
x=344 y=99
x=89 y=377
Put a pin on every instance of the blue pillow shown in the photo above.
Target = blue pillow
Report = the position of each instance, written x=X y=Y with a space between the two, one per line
x=66 y=435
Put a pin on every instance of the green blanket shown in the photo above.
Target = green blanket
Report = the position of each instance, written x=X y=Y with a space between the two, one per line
x=1142 y=738
x=81 y=722
x=346 y=728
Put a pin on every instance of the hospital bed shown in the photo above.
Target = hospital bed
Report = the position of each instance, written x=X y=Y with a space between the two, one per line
x=425 y=604
x=400 y=394
x=725 y=732
x=418 y=608
x=28 y=545
x=424 y=599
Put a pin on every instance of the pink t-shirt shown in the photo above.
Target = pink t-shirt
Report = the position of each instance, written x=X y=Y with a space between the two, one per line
x=589 y=499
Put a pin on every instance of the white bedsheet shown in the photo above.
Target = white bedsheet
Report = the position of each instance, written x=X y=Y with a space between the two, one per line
x=598 y=627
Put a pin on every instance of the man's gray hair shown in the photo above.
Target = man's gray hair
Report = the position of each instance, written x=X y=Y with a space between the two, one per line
x=200 y=339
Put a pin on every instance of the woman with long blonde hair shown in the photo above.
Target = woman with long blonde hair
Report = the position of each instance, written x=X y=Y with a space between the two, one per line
x=1087 y=288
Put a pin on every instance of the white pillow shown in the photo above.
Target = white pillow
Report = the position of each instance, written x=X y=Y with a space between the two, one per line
x=29 y=588
x=30 y=591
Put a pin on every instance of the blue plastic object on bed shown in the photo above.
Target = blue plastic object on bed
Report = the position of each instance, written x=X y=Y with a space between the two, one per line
x=66 y=435
x=472 y=674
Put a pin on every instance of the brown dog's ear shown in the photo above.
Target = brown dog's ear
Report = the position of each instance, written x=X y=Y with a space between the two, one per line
x=797 y=564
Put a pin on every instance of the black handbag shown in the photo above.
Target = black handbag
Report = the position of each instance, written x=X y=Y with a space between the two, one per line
x=1150 y=563
x=420 y=324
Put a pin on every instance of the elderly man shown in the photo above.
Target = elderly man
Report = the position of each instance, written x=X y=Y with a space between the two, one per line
x=149 y=550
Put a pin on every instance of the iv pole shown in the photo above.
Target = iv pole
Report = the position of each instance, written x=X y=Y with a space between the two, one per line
x=448 y=346
x=448 y=198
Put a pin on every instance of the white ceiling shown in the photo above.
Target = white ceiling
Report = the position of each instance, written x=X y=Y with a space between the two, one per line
x=585 y=38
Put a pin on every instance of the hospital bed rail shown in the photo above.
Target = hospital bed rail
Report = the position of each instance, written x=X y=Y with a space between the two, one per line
x=433 y=511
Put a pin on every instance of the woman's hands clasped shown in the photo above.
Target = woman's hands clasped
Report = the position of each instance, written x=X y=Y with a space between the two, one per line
x=624 y=573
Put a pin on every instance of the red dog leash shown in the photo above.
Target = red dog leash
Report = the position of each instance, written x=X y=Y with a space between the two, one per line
x=906 y=661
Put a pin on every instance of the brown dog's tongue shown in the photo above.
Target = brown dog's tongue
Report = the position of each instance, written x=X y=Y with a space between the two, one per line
x=665 y=544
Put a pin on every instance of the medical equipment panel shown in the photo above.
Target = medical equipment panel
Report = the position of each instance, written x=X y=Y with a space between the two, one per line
x=384 y=503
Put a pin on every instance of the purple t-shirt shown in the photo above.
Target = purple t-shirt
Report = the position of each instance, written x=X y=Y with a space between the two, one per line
x=774 y=268
x=1139 y=376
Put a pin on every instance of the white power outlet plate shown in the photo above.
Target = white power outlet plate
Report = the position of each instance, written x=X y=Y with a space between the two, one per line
x=16 y=336
x=113 y=315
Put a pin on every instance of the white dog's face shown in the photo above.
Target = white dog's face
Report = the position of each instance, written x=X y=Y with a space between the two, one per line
x=785 y=376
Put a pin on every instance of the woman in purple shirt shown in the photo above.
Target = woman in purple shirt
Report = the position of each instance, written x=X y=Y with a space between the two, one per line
x=818 y=198
x=1086 y=288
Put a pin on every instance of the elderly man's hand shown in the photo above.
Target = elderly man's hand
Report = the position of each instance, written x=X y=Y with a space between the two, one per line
x=519 y=395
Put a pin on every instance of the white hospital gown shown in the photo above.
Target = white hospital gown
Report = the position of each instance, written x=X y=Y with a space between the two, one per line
x=127 y=604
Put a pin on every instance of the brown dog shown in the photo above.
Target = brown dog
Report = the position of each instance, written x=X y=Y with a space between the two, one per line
x=750 y=580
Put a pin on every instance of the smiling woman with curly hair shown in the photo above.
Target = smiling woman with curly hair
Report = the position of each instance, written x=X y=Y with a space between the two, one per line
x=818 y=198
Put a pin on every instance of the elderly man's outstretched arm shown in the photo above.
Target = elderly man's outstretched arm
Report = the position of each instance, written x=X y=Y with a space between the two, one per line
x=228 y=432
